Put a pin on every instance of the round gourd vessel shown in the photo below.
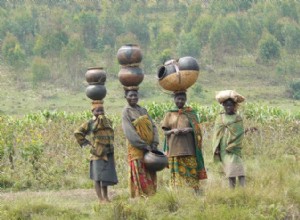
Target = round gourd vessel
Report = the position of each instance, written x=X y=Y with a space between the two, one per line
x=130 y=76
x=178 y=76
x=96 y=92
x=95 y=75
x=129 y=54
x=155 y=160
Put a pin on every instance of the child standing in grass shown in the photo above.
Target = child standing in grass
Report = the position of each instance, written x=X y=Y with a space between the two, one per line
x=228 y=137
x=102 y=162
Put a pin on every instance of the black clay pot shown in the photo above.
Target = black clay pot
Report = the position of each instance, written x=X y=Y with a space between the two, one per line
x=188 y=63
x=155 y=160
x=95 y=75
x=129 y=54
x=130 y=76
x=96 y=92
x=165 y=70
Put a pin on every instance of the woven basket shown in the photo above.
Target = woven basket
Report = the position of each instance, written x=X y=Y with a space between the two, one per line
x=179 y=81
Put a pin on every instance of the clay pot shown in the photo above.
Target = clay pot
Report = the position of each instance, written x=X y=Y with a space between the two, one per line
x=155 y=160
x=130 y=76
x=188 y=63
x=95 y=75
x=129 y=54
x=96 y=92
x=178 y=75
x=165 y=70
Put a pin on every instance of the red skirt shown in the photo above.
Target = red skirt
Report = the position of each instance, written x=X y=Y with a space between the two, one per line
x=142 y=182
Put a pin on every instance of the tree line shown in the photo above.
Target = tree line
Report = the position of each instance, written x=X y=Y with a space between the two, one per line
x=55 y=41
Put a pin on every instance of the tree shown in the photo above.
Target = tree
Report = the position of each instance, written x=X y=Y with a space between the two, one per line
x=40 y=71
x=224 y=36
x=189 y=45
x=269 y=48
x=12 y=52
x=89 y=26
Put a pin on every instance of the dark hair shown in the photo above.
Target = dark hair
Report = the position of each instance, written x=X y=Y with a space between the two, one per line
x=175 y=94
x=127 y=91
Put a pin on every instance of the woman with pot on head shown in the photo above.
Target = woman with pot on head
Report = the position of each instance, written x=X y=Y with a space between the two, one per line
x=183 y=144
x=228 y=136
x=142 y=136
x=102 y=162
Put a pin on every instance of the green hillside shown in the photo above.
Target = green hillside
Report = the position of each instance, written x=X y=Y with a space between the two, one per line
x=47 y=46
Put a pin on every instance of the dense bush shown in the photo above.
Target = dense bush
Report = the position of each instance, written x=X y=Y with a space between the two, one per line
x=295 y=89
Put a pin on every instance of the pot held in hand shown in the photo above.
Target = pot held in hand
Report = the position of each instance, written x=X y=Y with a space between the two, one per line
x=155 y=160
x=178 y=75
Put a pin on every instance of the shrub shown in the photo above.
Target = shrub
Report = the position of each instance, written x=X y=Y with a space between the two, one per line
x=40 y=71
x=294 y=88
x=269 y=48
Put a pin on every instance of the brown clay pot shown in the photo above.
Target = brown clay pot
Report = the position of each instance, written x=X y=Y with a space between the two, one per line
x=96 y=92
x=130 y=76
x=178 y=75
x=95 y=75
x=155 y=160
x=129 y=54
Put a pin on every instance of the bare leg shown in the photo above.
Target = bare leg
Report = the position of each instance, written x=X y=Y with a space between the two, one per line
x=105 y=194
x=98 y=190
x=232 y=182
x=242 y=181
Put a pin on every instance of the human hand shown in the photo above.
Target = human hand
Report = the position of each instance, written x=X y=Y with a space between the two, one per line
x=186 y=130
x=176 y=131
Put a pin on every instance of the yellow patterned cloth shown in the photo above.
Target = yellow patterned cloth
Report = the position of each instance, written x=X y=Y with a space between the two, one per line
x=144 y=129
x=184 y=171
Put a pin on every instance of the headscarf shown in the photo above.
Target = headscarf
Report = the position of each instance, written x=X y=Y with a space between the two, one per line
x=96 y=104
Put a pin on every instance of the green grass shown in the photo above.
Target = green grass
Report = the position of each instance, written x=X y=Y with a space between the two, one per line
x=57 y=185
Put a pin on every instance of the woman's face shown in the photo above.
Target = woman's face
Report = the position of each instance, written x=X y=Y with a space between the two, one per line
x=180 y=101
x=229 y=107
x=132 y=98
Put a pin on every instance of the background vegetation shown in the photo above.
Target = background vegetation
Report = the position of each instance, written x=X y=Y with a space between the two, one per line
x=45 y=49
x=44 y=166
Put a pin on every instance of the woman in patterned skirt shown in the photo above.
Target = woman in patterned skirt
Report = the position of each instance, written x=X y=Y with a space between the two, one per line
x=183 y=144
x=142 y=136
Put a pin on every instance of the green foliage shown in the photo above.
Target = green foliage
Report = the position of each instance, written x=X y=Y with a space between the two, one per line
x=189 y=45
x=269 y=48
x=224 y=35
x=89 y=25
x=40 y=71
x=12 y=52
x=295 y=89
x=270 y=152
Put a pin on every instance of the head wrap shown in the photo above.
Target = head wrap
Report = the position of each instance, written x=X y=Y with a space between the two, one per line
x=131 y=88
x=96 y=104
x=222 y=96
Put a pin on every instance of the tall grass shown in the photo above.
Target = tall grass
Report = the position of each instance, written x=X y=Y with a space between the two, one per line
x=39 y=153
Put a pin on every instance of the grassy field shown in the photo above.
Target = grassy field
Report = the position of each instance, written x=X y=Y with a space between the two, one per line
x=49 y=178
x=258 y=83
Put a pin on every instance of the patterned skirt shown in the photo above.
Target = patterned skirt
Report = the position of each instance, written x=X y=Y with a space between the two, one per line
x=141 y=181
x=183 y=171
